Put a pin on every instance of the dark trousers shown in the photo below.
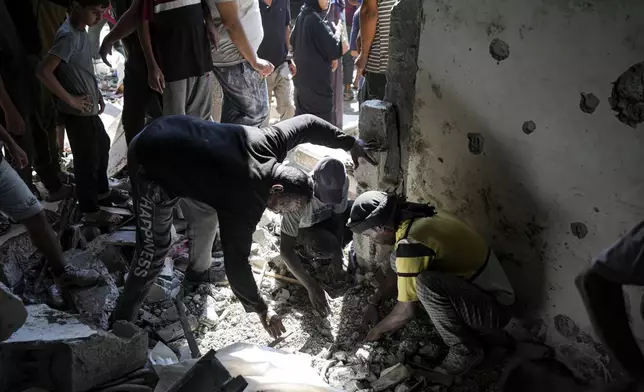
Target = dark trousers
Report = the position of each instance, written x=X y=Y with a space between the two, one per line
x=91 y=147
x=139 y=100
x=373 y=87
x=154 y=237
x=320 y=240
x=245 y=95
x=348 y=66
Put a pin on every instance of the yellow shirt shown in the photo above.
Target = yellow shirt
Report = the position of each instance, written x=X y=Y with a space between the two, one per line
x=441 y=243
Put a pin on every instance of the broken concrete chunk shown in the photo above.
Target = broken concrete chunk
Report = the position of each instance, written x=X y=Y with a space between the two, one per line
x=209 y=314
x=402 y=388
x=14 y=254
x=408 y=347
x=627 y=97
x=95 y=304
x=57 y=352
x=340 y=375
x=170 y=314
x=355 y=385
x=12 y=313
x=149 y=318
x=340 y=356
x=174 y=331
x=391 y=377
x=363 y=355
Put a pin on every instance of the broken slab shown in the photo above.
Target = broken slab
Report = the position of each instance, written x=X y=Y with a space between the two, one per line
x=391 y=377
x=174 y=331
x=122 y=238
x=12 y=313
x=209 y=314
x=96 y=303
x=14 y=255
x=57 y=352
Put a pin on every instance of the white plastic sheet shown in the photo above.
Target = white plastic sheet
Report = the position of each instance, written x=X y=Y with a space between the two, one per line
x=264 y=368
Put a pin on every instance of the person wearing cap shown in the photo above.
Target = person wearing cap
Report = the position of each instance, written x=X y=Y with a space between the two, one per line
x=318 y=231
x=233 y=173
x=444 y=265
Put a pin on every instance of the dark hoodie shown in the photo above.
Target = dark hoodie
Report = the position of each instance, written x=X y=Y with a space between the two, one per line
x=314 y=48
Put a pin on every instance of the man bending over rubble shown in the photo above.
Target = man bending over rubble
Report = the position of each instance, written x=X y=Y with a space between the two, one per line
x=234 y=172
x=317 y=231
x=600 y=286
x=20 y=204
x=441 y=263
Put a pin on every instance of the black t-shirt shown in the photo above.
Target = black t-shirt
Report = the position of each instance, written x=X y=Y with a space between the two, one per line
x=274 y=21
x=179 y=39
x=229 y=167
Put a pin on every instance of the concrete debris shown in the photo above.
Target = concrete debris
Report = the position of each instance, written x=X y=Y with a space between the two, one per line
x=363 y=355
x=283 y=293
x=499 y=49
x=14 y=254
x=588 y=103
x=408 y=347
x=340 y=356
x=430 y=350
x=57 y=352
x=168 y=268
x=582 y=365
x=12 y=313
x=170 y=314
x=355 y=385
x=627 y=97
x=391 y=377
x=95 y=304
x=265 y=239
x=196 y=298
x=163 y=289
x=341 y=375
x=209 y=314
x=402 y=388
x=174 y=331
x=149 y=318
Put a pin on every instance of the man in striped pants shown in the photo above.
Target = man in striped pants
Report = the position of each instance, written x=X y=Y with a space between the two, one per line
x=442 y=264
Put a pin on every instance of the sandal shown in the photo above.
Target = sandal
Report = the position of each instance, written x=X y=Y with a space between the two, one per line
x=102 y=218
x=115 y=196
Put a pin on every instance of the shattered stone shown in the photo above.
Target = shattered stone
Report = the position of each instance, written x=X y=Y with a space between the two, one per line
x=391 y=377
x=402 y=388
x=168 y=268
x=363 y=355
x=360 y=278
x=149 y=318
x=355 y=385
x=56 y=351
x=95 y=304
x=196 y=298
x=391 y=360
x=408 y=347
x=209 y=314
x=14 y=254
x=340 y=356
x=627 y=97
x=588 y=103
x=285 y=294
x=170 y=314
x=339 y=376
x=174 y=331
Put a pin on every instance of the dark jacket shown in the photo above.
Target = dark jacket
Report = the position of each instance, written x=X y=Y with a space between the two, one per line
x=231 y=168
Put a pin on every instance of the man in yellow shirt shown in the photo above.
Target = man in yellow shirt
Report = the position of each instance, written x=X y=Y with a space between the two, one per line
x=441 y=263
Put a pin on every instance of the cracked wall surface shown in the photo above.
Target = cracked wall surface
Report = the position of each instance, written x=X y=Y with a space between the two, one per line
x=514 y=132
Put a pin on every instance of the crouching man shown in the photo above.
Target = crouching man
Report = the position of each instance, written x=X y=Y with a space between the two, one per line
x=234 y=172
x=443 y=264
x=600 y=286
x=318 y=230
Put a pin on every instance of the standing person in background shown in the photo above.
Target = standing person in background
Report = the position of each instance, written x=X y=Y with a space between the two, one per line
x=316 y=50
x=240 y=71
x=173 y=30
x=68 y=72
x=348 y=60
x=95 y=34
x=375 y=25
x=335 y=16
x=276 y=20
x=139 y=100
x=354 y=45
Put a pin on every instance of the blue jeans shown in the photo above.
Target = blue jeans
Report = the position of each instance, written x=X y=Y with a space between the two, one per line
x=245 y=95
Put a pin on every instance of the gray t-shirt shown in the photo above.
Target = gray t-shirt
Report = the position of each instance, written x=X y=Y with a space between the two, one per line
x=76 y=71
x=623 y=262
x=251 y=19
x=312 y=213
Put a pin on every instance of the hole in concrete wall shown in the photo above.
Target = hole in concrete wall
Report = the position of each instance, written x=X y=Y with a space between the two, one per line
x=440 y=160
x=588 y=102
x=475 y=143
x=499 y=49
x=529 y=127
x=566 y=326
x=579 y=229
x=437 y=91
x=627 y=98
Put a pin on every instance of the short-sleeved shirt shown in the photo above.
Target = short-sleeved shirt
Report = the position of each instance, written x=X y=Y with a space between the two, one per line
x=379 y=52
x=446 y=244
x=179 y=38
x=76 y=70
x=623 y=262
x=274 y=20
x=313 y=213
x=227 y=53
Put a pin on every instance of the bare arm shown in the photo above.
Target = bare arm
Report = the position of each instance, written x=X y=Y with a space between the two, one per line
x=45 y=73
x=604 y=301
x=13 y=119
x=127 y=24
x=368 y=22
x=293 y=262
x=146 y=44
x=400 y=315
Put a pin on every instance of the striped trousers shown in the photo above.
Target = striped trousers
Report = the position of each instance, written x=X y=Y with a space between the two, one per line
x=461 y=312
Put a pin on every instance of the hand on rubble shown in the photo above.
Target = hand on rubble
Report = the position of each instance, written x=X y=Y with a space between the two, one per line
x=370 y=315
x=373 y=334
x=272 y=323
x=359 y=150
x=319 y=300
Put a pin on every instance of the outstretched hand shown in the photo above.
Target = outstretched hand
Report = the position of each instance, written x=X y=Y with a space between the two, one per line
x=105 y=50
x=272 y=323
x=359 y=150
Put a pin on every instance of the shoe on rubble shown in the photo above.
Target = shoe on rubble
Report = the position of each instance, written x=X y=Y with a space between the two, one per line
x=460 y=360
x=213 y=274
x=76 y=277
x=13 y=313
x=65 y=192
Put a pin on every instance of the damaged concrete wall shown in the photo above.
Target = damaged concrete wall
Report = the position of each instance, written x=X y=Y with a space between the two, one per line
x=515 y=133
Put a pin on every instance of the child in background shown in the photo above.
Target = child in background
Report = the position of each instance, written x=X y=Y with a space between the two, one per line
x=68 y=72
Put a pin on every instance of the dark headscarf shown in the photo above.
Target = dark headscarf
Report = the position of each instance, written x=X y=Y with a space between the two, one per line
x=312 y=5
x=375 y=208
